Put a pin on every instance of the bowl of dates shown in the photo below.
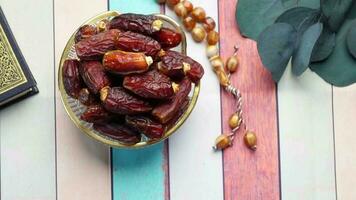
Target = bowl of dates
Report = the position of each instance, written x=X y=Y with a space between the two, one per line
x=125 y=79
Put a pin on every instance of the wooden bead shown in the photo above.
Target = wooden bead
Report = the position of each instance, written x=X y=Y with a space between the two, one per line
x=223 y=78
x=212 y=38
x=189 y=23
x=209 y=24
x=250 y=140
x=180 y=10
x=234 y=121
x=161 y=1
x=232 y=64
x=198 y=34
x=212 y=50
x=217 y=63
x=222 y=142
x=199 y=14
x=172 y=3
x=188 y=5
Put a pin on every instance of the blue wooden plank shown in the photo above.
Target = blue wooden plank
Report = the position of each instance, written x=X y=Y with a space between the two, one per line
x=134 y=6
x=138 y=174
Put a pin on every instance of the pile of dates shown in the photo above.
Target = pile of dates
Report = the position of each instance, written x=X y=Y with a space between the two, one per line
x=129 y=79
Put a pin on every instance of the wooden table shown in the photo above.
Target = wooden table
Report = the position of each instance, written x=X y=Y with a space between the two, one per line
x=306 y=127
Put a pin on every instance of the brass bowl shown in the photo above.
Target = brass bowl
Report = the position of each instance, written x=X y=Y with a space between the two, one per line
x=74 y=108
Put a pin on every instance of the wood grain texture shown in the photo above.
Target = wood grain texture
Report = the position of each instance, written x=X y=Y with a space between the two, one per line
x=306 y=137
x=195 y=169
x=345 y=140
x=83 y=165
x=143 y=173
x=27 y=137
x=249 y=175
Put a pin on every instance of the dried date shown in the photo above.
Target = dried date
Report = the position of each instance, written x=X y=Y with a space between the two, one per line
x=168 y=38
x=95 y=114
x=146 y=126
x=117 y=100
x=85 y=32
x=145 y=24
x=86 y=98
x=168 y=110
x=118 y=132
x=176 y=65
x=153 y=85
x=176 y=117
x=122 y=62
x=135 y=42
x=71 y=77
x=94 y=47
x=94 y=76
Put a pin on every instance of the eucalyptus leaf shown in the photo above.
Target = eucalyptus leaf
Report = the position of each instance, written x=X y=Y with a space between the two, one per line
x=301 y=57
x=287 y=3
x=275 y=46
x=253 y=16
x=352 y=12
x=351 y=40
x=340 y=68
x=300 y=18
x=335 y=12
x=324 y=46
x=297 y=3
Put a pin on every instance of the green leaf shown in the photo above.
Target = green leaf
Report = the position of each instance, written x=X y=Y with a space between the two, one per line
x=352 y=12
x=340 y=68
x=351 y=40
x=301 y=58
x=253 y=16
x=299 y=17
x=275 y=46
x=297 y=3
x=335 y=12
x=289 y=2
x=324 y=46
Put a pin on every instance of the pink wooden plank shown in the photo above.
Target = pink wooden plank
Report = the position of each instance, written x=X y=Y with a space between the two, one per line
x=83 y=165
x=247 y=174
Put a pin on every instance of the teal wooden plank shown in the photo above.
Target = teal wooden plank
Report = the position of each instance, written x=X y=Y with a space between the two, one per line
x=134 y=6
x=138 y=174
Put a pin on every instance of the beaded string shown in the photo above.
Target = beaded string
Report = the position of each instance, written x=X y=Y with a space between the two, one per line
x=190 y=16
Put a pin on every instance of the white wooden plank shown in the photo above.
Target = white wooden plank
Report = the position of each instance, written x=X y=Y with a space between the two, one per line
x=195 y=170
x=83 y=169
x=27 y=128
x=306 y=137
x=345 y=140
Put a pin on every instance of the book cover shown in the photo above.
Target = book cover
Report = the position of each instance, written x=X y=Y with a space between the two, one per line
x=16 y=80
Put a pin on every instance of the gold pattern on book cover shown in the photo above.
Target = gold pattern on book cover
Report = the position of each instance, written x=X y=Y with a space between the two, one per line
x=11 y=74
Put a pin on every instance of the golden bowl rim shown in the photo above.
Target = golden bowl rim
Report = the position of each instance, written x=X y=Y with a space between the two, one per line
x=96 y=135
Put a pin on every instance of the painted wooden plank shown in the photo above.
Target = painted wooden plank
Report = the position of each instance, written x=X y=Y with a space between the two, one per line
x=195 y=169
x=345 y=140
x=27 y=128
x=247 y=174
x=139 y=174
x=306 y=137
x=83 y=165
